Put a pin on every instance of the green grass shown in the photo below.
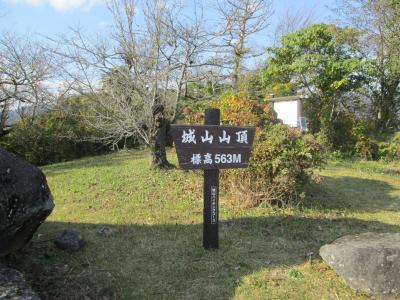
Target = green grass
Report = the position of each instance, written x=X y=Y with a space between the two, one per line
x=156 y=249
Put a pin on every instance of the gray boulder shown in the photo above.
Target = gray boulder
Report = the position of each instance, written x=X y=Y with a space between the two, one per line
x=14 y=287
x=70 y=240
x=369 y=262
x=105 y=232
x=25 y=202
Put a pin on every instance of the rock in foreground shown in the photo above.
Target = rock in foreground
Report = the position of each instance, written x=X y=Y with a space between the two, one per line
x=369 y=262
x=25 y=202
x=14 y=287
x=105 y=232
x=70 y=240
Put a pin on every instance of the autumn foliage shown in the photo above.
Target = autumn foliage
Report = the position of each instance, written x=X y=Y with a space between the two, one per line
x=282 y=161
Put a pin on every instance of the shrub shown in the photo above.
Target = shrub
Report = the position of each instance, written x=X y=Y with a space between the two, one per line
x=344 y=134
x=245 y=112
x=282 y=157
x=192 y=116
x=351 y=137
x=367 y=149
x=365 y=146
x=280 y=167
x=390 y=150
x=234 y=111
x=52 y=137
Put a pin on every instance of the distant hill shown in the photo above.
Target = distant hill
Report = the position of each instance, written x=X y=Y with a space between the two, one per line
x=14 y=115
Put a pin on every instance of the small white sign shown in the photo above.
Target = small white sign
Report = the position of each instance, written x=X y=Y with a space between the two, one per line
x=287 y=111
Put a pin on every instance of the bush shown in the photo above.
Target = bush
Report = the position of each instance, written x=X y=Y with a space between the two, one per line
x=282 y=157
x=245 y=112
x=346 y=133
x=280 y=167
x=51 y=137
x=365 y=146
x=367 y=149
x=234 y=111
x=390 y=150
x=351 y=137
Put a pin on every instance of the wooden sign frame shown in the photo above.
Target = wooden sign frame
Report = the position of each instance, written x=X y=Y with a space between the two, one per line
x=211 y=147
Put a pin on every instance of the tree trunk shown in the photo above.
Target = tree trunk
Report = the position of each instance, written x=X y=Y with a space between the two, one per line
x=3 y=117
x=387 y=107
x=237 y=69
x=159 y=139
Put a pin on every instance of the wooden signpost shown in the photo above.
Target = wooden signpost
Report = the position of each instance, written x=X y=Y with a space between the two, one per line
x=212 y=147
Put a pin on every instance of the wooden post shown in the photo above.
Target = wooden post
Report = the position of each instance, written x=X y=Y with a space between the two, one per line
x=211 y=193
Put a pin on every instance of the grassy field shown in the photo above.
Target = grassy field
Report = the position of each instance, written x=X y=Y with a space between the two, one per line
x=156 y=251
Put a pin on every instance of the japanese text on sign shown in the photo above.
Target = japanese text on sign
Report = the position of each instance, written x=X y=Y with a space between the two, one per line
x=190 y=137
x=214 y=205
x=209 y=159
x=213 y=147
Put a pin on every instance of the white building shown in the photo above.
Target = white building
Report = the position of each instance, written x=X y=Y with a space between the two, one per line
x=289 y=110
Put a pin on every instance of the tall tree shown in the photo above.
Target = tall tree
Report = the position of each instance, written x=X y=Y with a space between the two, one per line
x=144 y=69
x=242 y=19
x=378 y=21
x=321 y=61
x=25 y=74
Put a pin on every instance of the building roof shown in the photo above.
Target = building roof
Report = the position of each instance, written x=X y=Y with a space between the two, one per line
x=287 y=98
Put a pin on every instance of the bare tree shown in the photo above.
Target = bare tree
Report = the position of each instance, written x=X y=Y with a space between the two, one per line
x=25 y=75
x=294 y=20
x=242 y=19
x=135 y=79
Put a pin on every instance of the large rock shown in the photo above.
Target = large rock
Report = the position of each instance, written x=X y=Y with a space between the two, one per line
x=25 y=202
x=368 y=261
x=14 y=287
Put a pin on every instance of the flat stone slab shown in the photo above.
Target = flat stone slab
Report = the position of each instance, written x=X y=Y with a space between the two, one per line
x=14 y=287
x=369 y=262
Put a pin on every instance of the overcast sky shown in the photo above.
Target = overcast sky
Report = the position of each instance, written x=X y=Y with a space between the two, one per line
x=52 y=17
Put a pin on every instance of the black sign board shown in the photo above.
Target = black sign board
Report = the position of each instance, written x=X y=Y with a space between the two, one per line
x=212 y=147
